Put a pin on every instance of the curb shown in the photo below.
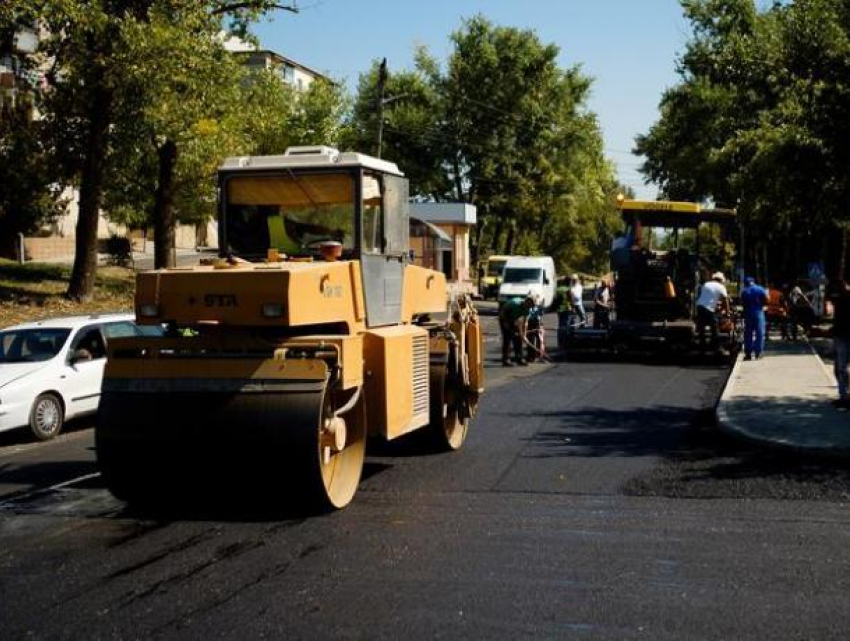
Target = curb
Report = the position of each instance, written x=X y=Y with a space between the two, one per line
x=829 y=373
x=734 y=429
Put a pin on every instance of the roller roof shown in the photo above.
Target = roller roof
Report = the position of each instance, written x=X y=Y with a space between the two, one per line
x=318 y=157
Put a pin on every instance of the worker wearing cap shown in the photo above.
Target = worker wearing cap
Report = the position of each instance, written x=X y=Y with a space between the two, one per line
x=513 y=316
x=754 y=300
x=712 y=297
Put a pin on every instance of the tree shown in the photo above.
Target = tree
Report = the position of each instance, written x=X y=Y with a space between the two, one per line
x=90 y=44
x=275 y=115
x=185 y=95
x=413 y=113
x=502 y=127
x=30 y=196
x=206 y=106
x=759 y=121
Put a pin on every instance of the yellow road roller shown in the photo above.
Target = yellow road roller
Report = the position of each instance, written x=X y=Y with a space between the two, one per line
x=310 y=333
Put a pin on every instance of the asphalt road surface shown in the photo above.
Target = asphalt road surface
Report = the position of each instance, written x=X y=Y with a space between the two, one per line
x=593 y=499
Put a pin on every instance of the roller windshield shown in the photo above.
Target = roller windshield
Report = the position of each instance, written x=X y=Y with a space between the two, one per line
x=291 y=213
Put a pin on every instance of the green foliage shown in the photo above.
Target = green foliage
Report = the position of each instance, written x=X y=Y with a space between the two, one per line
x=120 y=250
x=182 y=87
x=760 y=121
x=413 y=114
x=274 y=115
x=505 y=128
x=110 y=88
x=29 y=197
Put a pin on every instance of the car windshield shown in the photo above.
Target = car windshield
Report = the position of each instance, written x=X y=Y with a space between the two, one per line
x=522 y=275
x=495 y=267
x=31 y=345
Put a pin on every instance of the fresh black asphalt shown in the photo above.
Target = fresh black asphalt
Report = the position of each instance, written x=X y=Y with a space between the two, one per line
x=592 y=500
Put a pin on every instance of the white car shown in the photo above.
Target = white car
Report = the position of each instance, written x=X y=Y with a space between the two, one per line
x=52 y=370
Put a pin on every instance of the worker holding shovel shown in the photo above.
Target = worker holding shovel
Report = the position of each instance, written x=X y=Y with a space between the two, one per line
x=513 y=319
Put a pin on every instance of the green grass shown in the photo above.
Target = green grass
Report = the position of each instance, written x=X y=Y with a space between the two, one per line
x=35 y=290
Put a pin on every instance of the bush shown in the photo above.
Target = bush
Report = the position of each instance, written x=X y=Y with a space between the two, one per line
x=120 y=250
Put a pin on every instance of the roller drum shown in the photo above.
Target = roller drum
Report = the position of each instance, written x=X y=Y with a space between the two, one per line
x=153 y=444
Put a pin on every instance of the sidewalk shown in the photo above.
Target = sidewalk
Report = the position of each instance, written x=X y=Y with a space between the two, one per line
x=784 y=400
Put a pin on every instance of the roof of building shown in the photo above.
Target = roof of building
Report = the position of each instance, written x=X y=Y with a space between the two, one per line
x=454 y=213
x=281 y=59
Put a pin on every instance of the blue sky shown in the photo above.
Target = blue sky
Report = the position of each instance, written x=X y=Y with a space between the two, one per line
x=629 y=47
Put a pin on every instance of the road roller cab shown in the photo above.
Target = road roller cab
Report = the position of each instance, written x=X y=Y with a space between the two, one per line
x=309 y=332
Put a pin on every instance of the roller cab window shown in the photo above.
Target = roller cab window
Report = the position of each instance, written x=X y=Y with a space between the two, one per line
x=292 y=213
x=386 y=224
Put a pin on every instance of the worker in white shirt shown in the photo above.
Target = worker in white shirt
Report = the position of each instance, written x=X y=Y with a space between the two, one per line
x=712 y=299
x=576 y=293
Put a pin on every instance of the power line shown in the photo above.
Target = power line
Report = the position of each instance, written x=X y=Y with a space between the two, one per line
x=429 y=135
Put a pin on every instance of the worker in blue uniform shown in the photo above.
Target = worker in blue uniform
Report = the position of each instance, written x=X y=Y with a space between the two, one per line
x=754 y=300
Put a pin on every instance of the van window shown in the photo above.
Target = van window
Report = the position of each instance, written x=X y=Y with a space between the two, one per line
x=522 y=275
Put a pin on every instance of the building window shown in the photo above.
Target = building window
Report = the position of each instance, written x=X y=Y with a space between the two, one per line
x=287 y=72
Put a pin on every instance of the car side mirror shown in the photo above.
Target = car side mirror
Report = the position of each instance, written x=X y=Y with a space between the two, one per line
x=80 y=355
x=545 y=280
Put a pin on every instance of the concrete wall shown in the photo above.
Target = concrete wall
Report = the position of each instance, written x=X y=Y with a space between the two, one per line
x=49 y=249
x=66 y=226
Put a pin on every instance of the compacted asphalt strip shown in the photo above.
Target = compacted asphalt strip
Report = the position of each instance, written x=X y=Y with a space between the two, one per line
x=593 y=498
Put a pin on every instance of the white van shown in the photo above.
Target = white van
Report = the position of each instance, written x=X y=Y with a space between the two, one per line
x=525 y=275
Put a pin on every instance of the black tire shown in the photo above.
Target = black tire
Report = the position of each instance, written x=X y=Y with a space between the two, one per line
x=449 y=427
x=46 y=417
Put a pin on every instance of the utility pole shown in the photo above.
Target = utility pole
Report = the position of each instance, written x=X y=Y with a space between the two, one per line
x=379 y=105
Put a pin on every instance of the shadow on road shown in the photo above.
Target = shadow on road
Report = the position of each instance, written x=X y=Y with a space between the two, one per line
x=709 y=464
x=697 y=460
x=595 y=432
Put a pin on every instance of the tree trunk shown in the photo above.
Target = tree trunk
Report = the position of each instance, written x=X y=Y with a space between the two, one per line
x=509 y=243
x=458 y=179
x=163 y=208
x=475 y=256
x=81 y=286
x=496 y=240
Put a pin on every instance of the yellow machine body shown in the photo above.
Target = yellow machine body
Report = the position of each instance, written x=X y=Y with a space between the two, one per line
x=297 y=356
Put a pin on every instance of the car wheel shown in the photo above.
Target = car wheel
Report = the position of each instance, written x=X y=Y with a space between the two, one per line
x=46 y=417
